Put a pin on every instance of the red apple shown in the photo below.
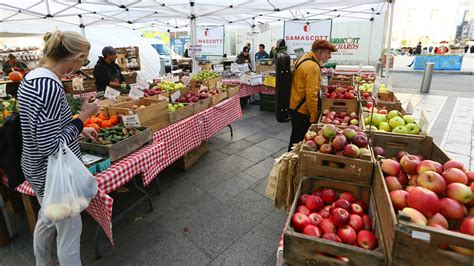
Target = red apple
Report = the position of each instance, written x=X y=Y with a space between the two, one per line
x=378 y=151
x=402 y=178
x=467 y=226
x=356 y=222
x=311 y=144
x=424 y=200
x=453 y=164
x=347 y=196
x=347 y=234
x=390 y=167
x=399 y=199
x=302 y=199
x=439 y=220
x=332 y=237
x=314 y=203
x=303 y=209
x=454 y=175
x=410 y=188
x=325 y=213
x=366 y=240
x=367 y=222
x=459 y=192
x=310 y=135
x=416 y=216
x=328 y=195
x=340 y=217
x=312 y=230
x=315 y=219
x=432 y=181
x=342 y=203
x=470 y=176
x=320 y=140
x=327 y=226
x=400 y=154
x=356 y=209
x=429 y=165
x=316 y=192
x=452 y=209
x=299 y=221
x=409 y=163
x=392 y=183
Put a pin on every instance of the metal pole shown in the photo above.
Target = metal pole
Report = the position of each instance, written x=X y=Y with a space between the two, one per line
x=193 y=26
x=427 y=76
x=370 y=40
x=389 y=37
x=252 y=55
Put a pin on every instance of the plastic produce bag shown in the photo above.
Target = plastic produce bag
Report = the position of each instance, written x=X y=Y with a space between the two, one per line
x=69 y=186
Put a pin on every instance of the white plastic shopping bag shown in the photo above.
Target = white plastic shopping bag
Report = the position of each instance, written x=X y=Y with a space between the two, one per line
x=69 y=186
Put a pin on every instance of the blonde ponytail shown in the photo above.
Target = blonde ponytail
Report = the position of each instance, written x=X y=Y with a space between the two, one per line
x=59 y=45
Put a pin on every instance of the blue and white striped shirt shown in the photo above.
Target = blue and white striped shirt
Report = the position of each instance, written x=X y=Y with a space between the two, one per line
x=46 y=123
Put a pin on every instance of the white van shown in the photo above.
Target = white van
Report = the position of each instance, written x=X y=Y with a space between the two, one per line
x=163 y=51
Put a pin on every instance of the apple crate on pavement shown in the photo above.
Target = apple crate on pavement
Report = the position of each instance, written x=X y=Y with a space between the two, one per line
x=300 y=248
x=409 y=243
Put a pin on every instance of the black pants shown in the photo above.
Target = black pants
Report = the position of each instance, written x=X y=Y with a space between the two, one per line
x=299 y=126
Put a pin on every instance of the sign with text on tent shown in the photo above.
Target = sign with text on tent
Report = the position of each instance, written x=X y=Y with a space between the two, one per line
x=300 y=34
x=211 y=39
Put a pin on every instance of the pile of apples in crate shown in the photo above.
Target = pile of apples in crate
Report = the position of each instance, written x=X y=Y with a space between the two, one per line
x=339 y=118
x=340 y=92
x=343 y=219
x=350 y=142
x=392 y=121
x=432 y=194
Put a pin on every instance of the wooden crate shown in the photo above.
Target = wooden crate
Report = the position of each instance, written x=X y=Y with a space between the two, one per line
x=340 y=105
x=361 y=125
x=119 y=149
x=104 y=105
x=397 y=105
x=130 y=78
x=180 y=114
x=264 y=68
x=233 y=90
x=154 y=115
x=420 y=135
x=299 y=249
x=87 y=84
x=219 y=97
x=202 y=105
x=402 y=247
x=210 y=84
x=424 y=145
x=194 y=155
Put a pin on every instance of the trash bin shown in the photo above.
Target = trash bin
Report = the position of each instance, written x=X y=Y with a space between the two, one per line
x=427 y=76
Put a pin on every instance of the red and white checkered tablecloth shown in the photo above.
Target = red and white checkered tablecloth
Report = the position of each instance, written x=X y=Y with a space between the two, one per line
x=247 y=90
x=221 y=115
x=145 y=161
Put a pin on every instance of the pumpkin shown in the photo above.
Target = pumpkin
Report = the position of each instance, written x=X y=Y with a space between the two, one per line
x=15 y=76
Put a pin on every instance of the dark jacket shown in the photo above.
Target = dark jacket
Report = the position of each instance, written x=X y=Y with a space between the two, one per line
x=105 y=73
x=263 y=55
x=418 y=49
x=241 y=59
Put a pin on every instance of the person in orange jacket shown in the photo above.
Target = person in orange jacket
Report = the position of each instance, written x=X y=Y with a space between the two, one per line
x=305 y=86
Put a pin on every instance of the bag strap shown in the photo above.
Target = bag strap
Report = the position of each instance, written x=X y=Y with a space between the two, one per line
x=297 y=65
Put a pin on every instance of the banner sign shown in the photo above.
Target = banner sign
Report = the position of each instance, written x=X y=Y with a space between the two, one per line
x=300 y=34
x=211 y=40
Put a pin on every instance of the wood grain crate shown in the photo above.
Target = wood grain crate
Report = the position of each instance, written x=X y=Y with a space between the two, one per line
x=87 y=84
x=210 y=84
x=340 y=105
x=233 y=90
x=202 y=105
x=299 y=249
x=402 y=247
x=219 y=97
x=121 y=148
x=194 y=155
x=180 y=114
x=361 y=125
x=154 y=115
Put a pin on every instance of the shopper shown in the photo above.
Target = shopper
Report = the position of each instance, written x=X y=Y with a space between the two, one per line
x=12 y=64
x=418 y=49
x=471 y=50
x=280 y=47
x=244 y=57
x=466 y=48
x=261 y=54
x=106 y=71
x=305 y=86
x=47 y=124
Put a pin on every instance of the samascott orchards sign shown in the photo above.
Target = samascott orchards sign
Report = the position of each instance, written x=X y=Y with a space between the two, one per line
x=346 y=45
x=301 y=34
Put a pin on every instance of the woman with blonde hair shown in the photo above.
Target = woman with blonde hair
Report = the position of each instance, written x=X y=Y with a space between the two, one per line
x=47 y=124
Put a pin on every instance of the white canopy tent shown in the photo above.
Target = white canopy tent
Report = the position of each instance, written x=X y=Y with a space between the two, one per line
x=125 y=16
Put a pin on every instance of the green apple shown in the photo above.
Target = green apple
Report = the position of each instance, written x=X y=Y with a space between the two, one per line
x=383 y=118
x=367 y=120
x=400 y=129
x=396 y=122
x=409 y=119
x=413 y=128
x=385 y=127
x=381 y=130
x=393 y=114
x=376 y=119
x=374 y=128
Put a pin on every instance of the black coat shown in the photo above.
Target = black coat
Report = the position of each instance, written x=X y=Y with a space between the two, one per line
x=105 y=73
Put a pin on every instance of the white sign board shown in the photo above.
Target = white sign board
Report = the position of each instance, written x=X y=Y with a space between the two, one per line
x=300 y=34
x=211 y=40
x=3 y=90
x=111 y=93
x=131 y=121
x=136 y=93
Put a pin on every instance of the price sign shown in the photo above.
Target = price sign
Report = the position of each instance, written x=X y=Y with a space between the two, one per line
x=136 y=93
x=111 y=93
x=219 y=85
x=143 y=85
x=424 y=124
x=375 y=91
x=135 y=85
x=243 y=68
x=175 y=79
x=175 y=96
x=218 y=68
x=131 y=121
x=3 y=90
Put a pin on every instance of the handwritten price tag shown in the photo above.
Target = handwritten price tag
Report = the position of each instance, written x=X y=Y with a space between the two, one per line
x=3 y=90
x=175 y=96
x=131 y=121
x=143 y=85
x=111 y=93
x=219 y=85
x=136 y=93
x=175 y=79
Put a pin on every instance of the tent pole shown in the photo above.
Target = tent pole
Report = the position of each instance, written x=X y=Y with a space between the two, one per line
x=81 y=25
x=192 y=28
x=389 y=37
x=252 y=55
x=370 y=40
